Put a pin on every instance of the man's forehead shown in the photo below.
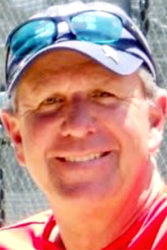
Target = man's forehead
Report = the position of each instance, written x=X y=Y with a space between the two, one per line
x=60 y=59
x=52 y=63
x=63 y=65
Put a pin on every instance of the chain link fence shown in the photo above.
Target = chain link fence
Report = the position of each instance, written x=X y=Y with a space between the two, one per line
x=19 y=197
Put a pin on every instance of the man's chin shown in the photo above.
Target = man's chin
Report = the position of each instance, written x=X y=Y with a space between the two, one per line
x=87 y=191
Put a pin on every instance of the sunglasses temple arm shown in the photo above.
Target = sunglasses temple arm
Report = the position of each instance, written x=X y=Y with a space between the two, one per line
x=6 y=62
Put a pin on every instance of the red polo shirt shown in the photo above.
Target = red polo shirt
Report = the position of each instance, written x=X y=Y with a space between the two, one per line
x=41 y=232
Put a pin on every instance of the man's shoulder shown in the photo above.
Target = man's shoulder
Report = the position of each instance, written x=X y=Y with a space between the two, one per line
x=23 y=231
x=161 y=238
x=153 y=232
x=30 y=222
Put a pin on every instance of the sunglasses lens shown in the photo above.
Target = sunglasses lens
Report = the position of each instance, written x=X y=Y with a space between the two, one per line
x=31 y=37
x=97 y=27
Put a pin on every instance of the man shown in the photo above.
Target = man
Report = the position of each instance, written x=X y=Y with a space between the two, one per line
x=86 y=119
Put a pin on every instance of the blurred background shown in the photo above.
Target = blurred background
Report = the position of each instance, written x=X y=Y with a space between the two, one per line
x=19 y=197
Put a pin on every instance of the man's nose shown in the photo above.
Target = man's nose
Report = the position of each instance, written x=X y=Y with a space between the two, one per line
x=78 y=121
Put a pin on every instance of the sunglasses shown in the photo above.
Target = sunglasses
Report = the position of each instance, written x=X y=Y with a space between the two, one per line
x=99 y=27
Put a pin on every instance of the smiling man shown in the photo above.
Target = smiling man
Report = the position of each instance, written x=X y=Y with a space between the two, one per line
x=86 y=119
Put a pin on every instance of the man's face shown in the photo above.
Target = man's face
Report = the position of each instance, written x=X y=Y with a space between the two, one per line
x=84 y=131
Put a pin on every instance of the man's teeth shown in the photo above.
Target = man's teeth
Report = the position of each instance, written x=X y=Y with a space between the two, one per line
x=83 y=158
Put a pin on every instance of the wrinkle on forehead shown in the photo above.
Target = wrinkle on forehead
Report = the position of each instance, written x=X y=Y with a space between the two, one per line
x=54 y=64
x=61 y=69
x=61 y=65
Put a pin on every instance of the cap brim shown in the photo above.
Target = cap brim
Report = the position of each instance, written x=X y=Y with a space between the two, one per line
x=118 y=61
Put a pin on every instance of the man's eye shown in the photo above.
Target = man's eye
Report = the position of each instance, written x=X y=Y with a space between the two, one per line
x=98 y=94
x=52 y=100
x=103 y=97
x=50 y=103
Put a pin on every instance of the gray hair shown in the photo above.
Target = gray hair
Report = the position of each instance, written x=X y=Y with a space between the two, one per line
x=151 y=89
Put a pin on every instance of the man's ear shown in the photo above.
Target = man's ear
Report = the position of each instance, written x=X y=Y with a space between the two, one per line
x=157 y=115
x=11 y=125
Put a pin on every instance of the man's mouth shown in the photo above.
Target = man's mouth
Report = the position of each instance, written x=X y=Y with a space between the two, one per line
x=84 y=158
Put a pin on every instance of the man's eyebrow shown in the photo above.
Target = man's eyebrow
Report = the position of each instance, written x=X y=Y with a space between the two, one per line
x=38 y=83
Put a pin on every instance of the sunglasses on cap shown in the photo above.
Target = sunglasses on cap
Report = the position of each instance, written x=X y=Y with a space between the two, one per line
x=94 y=26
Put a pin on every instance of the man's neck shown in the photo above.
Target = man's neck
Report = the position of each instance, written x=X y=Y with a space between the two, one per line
x=94 y=227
